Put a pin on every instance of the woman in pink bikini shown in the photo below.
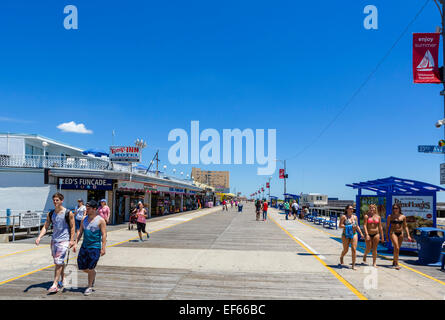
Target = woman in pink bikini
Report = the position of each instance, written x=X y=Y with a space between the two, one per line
x=373 y=233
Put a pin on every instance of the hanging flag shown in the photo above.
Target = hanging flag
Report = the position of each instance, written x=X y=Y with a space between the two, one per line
x=426 y=58
x=267 y=185
x=281 y=173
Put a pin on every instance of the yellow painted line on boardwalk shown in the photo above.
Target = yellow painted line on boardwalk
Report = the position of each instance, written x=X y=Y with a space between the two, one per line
x=11 y=254
x=26 y=274
x=383 y=257
x=41 y=269
x=342 y=280
x=44 y=246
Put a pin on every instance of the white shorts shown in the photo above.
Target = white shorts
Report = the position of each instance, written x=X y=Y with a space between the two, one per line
x=59 y=250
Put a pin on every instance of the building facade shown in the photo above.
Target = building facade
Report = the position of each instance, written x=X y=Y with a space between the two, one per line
x=33 y=168
x=220 y=180
x=314 y=200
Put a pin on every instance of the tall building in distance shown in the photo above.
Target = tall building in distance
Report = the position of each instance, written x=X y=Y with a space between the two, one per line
x=217 y=179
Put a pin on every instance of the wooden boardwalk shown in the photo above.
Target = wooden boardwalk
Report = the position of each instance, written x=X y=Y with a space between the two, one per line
x=213 y=255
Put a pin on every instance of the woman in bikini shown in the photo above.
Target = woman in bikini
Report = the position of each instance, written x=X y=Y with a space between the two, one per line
x=373 y=233
x=396 y=224
x=349 y=236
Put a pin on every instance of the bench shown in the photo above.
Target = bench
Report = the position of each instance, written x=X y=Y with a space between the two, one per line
x=331 y=222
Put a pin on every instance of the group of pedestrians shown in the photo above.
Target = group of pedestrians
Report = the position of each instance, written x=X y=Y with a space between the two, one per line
x=373 y=233
x=88 y=221
x=232 y=202
x=261 y=206
x=291 y=209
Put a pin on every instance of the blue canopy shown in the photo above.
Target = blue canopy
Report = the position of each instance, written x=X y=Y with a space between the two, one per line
x=96 y=152
x=396 y=185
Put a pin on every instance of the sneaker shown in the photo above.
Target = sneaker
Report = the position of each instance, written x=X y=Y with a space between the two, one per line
x=88 y=291
x=140 y=240
x=53 y=289
x=148 y=236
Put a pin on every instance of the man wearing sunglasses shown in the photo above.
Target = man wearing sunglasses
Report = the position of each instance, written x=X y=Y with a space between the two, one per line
x=93 y=245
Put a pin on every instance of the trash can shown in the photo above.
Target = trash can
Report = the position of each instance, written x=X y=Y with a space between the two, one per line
x=429 y=245
x=240 y=208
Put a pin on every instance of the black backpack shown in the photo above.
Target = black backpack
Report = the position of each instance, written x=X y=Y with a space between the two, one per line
x=67 y=217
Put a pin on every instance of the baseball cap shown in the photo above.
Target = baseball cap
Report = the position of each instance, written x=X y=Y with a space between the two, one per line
x=92 y=204
x=103 y=200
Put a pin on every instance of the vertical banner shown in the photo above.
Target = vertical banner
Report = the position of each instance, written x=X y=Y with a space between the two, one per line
x=267 y=185
x=426 y=57
x=281 y=173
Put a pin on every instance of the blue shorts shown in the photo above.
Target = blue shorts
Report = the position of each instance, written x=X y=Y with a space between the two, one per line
x=88 y=258
x=78 y=222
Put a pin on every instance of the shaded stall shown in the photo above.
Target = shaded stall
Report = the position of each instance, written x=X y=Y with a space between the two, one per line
x=274 y=202
x=289 y=197
x=417 y=200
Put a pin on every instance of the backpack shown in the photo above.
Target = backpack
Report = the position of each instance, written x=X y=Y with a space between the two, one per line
x=67 y=217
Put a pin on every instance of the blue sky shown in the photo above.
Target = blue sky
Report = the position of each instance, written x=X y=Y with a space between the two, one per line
x=144 y=68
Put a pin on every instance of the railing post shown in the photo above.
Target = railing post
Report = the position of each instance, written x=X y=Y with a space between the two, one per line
x=13 y=228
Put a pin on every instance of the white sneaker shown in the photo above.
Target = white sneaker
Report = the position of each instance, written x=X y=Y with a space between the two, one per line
x=88 y=291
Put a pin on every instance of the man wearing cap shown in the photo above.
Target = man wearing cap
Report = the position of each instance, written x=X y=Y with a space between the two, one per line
x=104 y=210
x=93 y=245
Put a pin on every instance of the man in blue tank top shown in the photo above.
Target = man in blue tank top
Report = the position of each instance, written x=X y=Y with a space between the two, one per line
x=93 y=226
x=63 y=238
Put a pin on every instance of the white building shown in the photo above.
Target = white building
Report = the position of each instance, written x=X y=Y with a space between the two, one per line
x=314 y=200
x=33 y=168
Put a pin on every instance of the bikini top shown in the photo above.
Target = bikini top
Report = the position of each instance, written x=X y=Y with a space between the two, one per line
x=371 y=220
x=396 y=222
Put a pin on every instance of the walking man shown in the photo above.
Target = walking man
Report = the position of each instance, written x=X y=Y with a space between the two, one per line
x=62 y=239
x=295 y=208
x=93 y=245
x=265 y=206
x=286 y=209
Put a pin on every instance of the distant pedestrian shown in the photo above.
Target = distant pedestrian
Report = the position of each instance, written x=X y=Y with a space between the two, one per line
x=265 y=206
x=104 y=211
x=258 y=209
x=80 y=213
x=295 y=208
x=141 y=221
x=286 y=209
x=93 y=245
x=225 y=205
x=62 y=240
x=350 y=226
x=231 y=203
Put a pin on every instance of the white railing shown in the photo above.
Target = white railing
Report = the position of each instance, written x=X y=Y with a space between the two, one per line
x=29 y=161
x=86 y=163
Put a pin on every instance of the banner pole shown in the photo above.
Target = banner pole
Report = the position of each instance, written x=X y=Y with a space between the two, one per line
x=443 y=57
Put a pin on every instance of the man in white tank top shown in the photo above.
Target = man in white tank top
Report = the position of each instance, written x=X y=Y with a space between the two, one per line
x=62 y=239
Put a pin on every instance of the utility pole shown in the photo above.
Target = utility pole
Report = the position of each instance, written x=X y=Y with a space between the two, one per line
x=285 y=175
x=443 y=56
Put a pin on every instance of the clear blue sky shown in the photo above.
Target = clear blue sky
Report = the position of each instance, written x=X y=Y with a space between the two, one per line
x=144 y=68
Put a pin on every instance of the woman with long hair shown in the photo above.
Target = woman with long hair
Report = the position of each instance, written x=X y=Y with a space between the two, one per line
x=349 y=223
x=396 y=224
x=373 y=233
